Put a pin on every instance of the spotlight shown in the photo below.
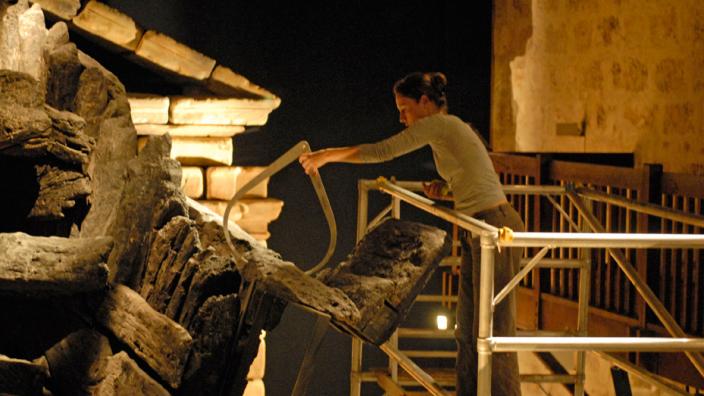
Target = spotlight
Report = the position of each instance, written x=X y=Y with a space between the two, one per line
x=441 y=321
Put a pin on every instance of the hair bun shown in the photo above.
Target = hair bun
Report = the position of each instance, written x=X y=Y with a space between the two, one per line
x=438 y=81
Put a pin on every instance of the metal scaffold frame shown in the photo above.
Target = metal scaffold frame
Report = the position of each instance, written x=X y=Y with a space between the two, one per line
x=492 y=239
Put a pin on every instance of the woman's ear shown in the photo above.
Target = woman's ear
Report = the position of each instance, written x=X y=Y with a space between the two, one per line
x=424 y=99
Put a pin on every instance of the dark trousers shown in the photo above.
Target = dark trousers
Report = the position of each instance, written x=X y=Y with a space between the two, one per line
x=504 y=369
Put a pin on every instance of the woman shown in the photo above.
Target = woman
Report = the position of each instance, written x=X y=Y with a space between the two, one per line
x=470 y=180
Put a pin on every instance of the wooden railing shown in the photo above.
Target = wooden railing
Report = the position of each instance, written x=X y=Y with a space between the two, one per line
x=676 y=276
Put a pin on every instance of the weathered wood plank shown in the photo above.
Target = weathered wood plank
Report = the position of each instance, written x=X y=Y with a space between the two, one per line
x=167 y=53
x=78 y=362
x=279 y=278
x=124 y=377
x=171 y=248
x=52 y=265
x=220 y=111
x=58 y=190
x=159 y=341
x=149 y=109
x=385 y=272
x=21 y=377
x=109 y=25
x=213 y=328
x=189 y=130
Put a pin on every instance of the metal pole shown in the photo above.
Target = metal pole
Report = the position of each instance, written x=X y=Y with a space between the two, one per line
x=486 y=293
x=357 y=347
x=454 y=217
x=517 y=279
x=393 y=340
x=582 y=324
x=601 y=239
x=658 y=308
x=654 y=210
x=612 y=344
x=416 y=372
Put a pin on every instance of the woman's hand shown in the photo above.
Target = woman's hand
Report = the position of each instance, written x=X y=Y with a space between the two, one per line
x=437 y=190
x=311 y=162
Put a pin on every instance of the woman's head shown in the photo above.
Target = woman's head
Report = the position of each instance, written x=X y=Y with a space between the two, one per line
x=419 y=95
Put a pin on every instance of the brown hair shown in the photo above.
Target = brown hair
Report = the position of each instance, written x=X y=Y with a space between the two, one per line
x=430 y=84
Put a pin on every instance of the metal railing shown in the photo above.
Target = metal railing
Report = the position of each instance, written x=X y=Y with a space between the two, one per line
x=492 y=238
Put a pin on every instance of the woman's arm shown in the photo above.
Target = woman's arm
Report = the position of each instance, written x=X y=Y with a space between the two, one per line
x=311 y=162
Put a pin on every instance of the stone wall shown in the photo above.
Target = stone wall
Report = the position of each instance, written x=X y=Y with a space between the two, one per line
x=601 y=76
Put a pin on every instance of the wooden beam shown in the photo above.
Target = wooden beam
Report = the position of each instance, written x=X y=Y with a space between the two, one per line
x=21 y=377
x=159 y=341
x=108 y=25
x=124 y=377
x=52 y=265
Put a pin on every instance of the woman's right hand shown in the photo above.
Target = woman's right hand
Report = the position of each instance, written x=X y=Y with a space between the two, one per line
x=437 y=190
x=311 y=162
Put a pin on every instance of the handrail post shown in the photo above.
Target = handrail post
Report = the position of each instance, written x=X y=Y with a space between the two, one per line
x=357 y=347
x=632 y=274
x=486 y=296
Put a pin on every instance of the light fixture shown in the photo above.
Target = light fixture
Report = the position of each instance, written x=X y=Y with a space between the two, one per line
x=441 y=321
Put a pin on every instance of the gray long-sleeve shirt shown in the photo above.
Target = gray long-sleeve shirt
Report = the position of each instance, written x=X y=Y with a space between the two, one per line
x=459 y=154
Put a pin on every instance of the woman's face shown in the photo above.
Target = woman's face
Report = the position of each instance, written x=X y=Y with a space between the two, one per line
x=411 y=110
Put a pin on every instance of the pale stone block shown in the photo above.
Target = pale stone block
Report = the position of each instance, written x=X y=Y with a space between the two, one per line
x=169 y=54
x=219 y=207
x=198 y=151
x=221 y=182
x=192 y=181
x=226 y=82
x=264 y=210
x=62 y=9
x=220 y=111
x=22 y=37
x=255 y=388
x=149 y=109
x=248 y=173
x=257 y=368
x=109 y=24
x=189 y=130
x=33 y=34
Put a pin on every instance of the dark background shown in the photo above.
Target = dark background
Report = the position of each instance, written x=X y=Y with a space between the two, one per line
x=333 y=65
